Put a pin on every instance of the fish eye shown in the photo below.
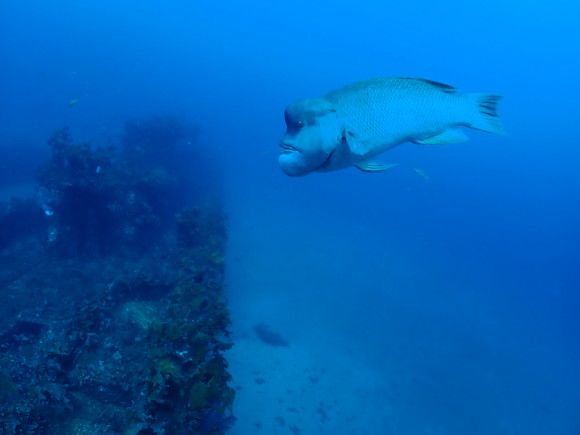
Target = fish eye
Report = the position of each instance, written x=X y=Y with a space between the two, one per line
x=300 y=123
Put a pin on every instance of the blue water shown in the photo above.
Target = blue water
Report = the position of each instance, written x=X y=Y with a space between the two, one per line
x=440 y=306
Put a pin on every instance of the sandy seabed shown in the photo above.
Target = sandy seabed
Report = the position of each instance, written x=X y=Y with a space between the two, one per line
x=404 y=361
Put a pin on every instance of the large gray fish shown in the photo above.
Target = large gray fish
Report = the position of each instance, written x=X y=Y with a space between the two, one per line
x=352 y=125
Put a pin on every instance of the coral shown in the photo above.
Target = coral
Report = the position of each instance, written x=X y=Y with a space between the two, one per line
x=103 y=199
x=129 y=326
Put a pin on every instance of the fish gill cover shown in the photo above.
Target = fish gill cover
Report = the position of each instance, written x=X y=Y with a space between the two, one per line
x=113 y=317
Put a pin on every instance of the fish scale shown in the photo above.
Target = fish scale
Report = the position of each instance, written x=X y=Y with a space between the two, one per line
x=394 y=108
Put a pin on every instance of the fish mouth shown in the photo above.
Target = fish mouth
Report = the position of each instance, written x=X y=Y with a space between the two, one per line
x=287 y=149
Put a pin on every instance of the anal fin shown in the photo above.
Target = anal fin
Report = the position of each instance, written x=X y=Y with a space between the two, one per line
x=453 y=135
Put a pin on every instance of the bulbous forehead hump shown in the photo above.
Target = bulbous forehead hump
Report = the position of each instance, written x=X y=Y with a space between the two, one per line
x=308 y=109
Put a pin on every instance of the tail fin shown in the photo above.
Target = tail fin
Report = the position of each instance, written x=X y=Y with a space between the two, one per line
x=487 y=118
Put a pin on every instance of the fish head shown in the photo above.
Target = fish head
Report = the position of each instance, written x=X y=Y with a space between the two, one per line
x=313 y=132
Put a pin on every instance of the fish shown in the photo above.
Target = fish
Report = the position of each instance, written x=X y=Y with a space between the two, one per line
x=421 y=173
x=73 y=102
x=351 y=125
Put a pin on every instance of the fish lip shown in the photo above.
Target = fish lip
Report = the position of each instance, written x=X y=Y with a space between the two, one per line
x=286 y=148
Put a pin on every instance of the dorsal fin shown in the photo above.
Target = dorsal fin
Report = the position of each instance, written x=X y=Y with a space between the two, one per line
x=445 y=88
x=448 y=89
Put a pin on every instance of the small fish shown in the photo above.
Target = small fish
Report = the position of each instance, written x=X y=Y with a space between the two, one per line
x=421 y=173
x=352 y=125
x=73 y=102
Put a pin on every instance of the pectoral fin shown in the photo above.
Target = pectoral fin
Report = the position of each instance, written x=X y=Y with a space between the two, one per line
x=453 y=135
x=357 y=145
x=370 y=165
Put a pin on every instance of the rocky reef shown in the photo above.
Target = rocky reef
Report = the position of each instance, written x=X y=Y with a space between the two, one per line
x=113 y=317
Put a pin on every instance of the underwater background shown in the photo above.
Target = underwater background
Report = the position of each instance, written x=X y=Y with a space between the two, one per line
x=399 y=304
